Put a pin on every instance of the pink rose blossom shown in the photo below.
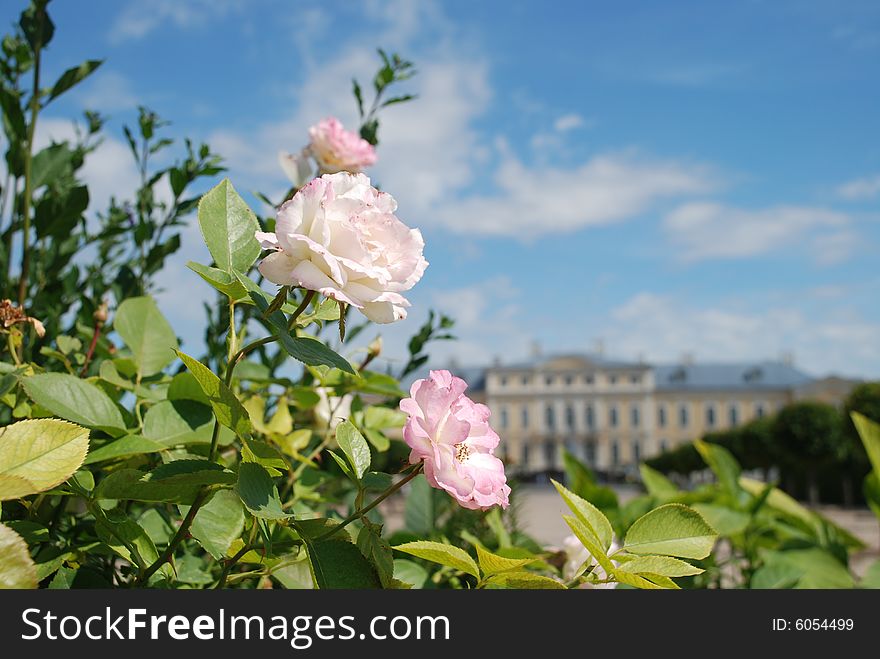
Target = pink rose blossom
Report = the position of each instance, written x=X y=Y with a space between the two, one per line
x=451 y=434
x=338 y=150
x=339 y=236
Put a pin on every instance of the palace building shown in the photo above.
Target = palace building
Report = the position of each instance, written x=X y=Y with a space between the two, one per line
x=613 y=414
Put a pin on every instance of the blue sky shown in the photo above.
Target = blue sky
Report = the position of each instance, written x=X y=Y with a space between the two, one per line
x=668 y=178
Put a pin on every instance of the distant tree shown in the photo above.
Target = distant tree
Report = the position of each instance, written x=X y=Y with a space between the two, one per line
x=809 y=436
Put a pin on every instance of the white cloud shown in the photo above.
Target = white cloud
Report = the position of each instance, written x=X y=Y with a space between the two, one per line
x=860 y=189
x=706 y=230
x=663 y=328
x=607 y=188
x=568 y=122
x=138 y=19
x=108 y=91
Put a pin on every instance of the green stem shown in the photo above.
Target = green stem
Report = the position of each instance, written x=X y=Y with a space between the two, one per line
x=182 y=531
x=237 y=557
x=28 y=183
x=375 y=502
x=302 y=307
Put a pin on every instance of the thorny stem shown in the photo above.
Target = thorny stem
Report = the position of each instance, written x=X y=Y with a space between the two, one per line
x=375 y=502
x=28 y=182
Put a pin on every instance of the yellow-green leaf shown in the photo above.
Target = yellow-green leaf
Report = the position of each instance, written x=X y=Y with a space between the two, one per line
x=17 y=569
x=525 y=581
x=38 y=454
x=494 y=564
x=671 y=530
x=437 y=552
x=589 y=515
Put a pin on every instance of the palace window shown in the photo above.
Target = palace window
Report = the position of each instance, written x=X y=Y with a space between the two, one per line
x=683 y=416
x=661 y=416
x=733 y=414
x=615 y=452
x=549 y=417
x=710 y=416
x=612 y=416
x=590 y=417
x=569 y=417
x=634 y=415
x=525 y=416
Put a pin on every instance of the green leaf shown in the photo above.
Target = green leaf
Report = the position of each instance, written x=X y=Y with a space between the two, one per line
x=494 y=564
x=123 y=448
x=146 y=333
x=663 y=565
x=377 y=550
x=258 y=493
x=73 y=76
x=17 y=569
x=218 y=523
x=872 y=576
x=227 y=408
x=190 y=472
x=657 y=484
x=125 y=537
x=775 y=576
x=12 y=112
x=817 y=567
x=382 y=418
x=38 y=454
x=723 y=465
x=131 y=484
x=178 y=422
x=410 y=572
x=525 y=581
x=76 y=400
x=419 y=510
x=436 y=552
x=589 y=540
x=336 y=563
x=222 y=281
x=869 y=432
x=724 y=520
x=379 y=441
x=671 y=530
x=228 y=226
x=594 y=519
x=354 y=446
x=312 y=352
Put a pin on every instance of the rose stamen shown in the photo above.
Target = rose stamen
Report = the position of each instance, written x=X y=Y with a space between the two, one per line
x=462 y=452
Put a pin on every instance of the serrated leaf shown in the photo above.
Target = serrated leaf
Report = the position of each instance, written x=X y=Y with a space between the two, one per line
x=222 y=281
x=147 y=334
x=336 y=563
x=227 y=408
x=76 y=400
x=354 y=446
x=218 y=523
x=228 y=226
x=671 y=530
x=123 y=448
x=312 y=352
x=526 y=581
x=38 y=454
x=656 y=483
x=494 y=564
x=17 y=569
x=437 y=552
x=130 y=484
x=589 y=515
x=377 y=550
x=590 y=542
x=258 y=492
x=665 y=566
x=410 y=572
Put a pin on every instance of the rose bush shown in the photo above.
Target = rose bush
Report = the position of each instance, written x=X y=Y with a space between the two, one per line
x=275 y=459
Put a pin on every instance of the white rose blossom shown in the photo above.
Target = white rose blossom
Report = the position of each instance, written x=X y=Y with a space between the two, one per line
x=339 y=236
